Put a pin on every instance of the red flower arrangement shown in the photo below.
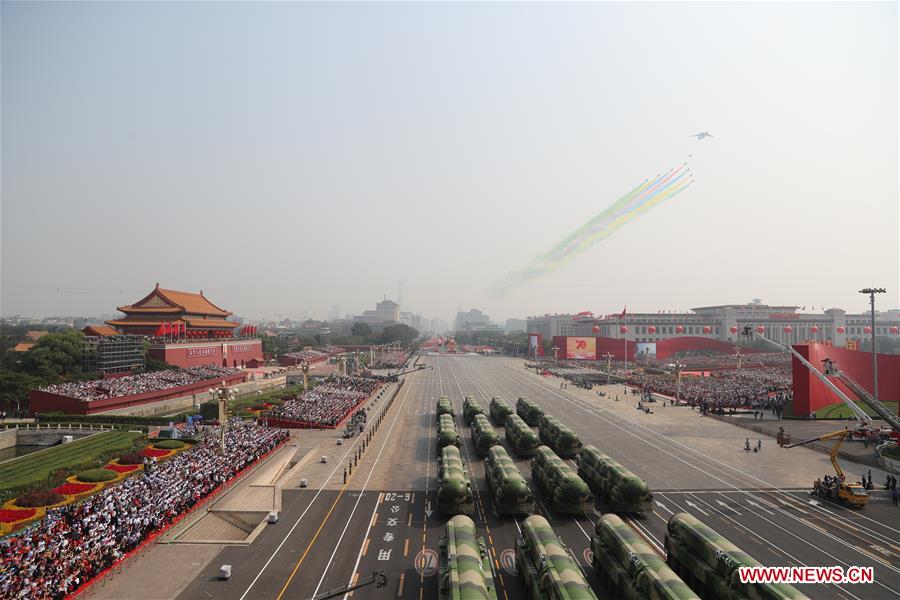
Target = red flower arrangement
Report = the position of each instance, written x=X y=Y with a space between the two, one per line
x=156 y=453
x=121 y=468
x=13 y=515
x=74 y=489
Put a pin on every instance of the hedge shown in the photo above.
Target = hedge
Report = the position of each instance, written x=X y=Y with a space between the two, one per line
x=39 y=498
x=97 y=475
x=112 y=419
x=169 y=444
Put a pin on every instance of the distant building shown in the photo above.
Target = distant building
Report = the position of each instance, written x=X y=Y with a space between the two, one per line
x=388 y=310
x=516 y=325
x=551 y=326
x=783 y=324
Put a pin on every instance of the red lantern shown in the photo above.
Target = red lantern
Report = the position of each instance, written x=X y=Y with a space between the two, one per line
x=814 y=329
x=867 y=330
x=707 y=329
x=623 y=329
x=679 y=329
x=787 y=329
x=595 y=329
x=760 y=329
x=734 y=330
x=840 y=330
x=651 y=329
x=895 y=329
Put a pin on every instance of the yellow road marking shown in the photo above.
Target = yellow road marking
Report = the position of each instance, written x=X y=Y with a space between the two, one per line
x=380 y=497
x=355 y=579
x=374 y=519
x=409 y=520
x=366 y=547
x=406 y=547
x=311 y=542
x=400 y=586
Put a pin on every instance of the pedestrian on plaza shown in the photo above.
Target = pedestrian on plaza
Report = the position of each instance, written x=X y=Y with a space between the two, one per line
x=758 y=444
x=895 y=497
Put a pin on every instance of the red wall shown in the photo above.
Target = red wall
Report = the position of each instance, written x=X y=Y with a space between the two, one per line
x=667 y=347
x=193 y=354
x=39 y=401
x=810 y=394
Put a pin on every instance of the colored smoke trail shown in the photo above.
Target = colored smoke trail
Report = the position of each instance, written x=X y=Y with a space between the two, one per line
x=635 y=203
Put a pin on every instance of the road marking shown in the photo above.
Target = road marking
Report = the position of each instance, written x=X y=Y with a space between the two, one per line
x=427 y=562
x=365 y=549
x=406 y=547
x=751 y=502
x=374 y=518
x=663 y=506
x=723 y=505
x=409 y=520
x=386 y=437
x=695 y=507
x=507 y=561
x=306 y=510
x=400 y=585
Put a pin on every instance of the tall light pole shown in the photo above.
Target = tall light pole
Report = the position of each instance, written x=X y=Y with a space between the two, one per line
x=608 y=356
x=871 y=292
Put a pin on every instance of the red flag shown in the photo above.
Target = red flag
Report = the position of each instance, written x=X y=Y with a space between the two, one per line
x=622 y=316
x=159 y=330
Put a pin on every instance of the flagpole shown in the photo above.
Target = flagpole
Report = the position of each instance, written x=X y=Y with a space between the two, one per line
x=625 y=337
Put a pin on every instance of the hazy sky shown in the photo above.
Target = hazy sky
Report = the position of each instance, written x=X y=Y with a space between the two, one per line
x=291 y=157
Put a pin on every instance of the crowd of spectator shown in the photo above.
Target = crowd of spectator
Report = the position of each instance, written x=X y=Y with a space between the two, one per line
x=328 y=404
x=99 y=389
x=765 y=388
x=392 y=359
x=72 y=544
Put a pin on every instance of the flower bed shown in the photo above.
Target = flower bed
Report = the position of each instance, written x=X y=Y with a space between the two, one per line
x=14 y=515
x=96 y=476
x=39 y=498
x=151 y=452
x=75 y=489
x=122 y=468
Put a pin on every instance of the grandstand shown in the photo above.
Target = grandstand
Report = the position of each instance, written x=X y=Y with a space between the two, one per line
x=104 y=395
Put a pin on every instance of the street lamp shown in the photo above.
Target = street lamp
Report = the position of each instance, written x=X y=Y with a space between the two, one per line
x=871 y=292
x=608 y=356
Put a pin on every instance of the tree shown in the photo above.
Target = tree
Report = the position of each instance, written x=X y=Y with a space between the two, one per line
x=361 y=330
x=55 y=355
x=398 y=333
x=14 y=388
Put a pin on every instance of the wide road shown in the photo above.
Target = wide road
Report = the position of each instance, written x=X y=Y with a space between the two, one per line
x=383 y=518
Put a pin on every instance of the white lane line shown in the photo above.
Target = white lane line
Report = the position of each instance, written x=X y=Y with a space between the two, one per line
x=384 y=445
x=306 y=510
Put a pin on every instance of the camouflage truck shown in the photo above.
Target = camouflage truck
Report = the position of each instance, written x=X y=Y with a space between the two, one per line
x=454 y=493
x=711 y=563
x=509 y=490
x=446 y=434
x=521 y=438
x=546 y=569
x=559 y=437
x=483 y=435
x=617 y=487
x=470 y=409
x=500 y=409
x=444 y=407
x=629 y=569
x=559 y=483
x=530 y=412
x=465 y=568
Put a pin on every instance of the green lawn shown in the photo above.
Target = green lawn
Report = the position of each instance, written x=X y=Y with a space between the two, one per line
x=840 y=410
x=36 y=468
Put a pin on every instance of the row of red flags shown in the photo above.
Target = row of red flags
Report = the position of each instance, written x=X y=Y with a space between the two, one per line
x=179 y=329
